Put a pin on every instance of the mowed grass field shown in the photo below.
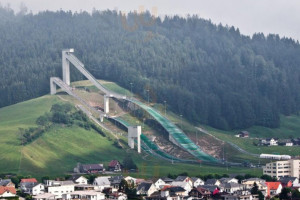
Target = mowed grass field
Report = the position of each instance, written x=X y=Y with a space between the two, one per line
x=57 y=151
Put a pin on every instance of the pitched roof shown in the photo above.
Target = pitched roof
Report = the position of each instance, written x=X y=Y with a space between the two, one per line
x=102 y=180
x=285 y=180
x=181 y=178
x=113 y=163
x=4 y=189
x=75 y=177
x=92 y=167
x=273 y=185
x=166 y=179
x=211 y=181
x=232 y=185
x=27 y=180
x=4 y=182
x=211 y=188
x=144 y=186
x=195 y=179
x=116 y=179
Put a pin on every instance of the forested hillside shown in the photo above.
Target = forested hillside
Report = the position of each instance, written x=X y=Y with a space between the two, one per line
x=208 y=73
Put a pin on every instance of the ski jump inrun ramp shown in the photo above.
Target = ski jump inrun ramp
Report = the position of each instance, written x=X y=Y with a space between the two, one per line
x=176 y=136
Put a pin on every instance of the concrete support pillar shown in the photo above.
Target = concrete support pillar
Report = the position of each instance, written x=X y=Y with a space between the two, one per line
x=52 y=87
x=101 y=118
x=134 y=132
x=106 y=104
x=65 y=68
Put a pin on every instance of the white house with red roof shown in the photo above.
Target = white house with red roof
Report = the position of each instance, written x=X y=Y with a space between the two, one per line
x=274 y=188
x=6 y=192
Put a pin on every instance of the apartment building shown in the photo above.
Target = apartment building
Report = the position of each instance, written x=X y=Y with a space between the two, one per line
x=283 y=168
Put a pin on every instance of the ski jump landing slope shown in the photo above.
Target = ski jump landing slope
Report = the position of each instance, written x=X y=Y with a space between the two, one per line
x=177 y=136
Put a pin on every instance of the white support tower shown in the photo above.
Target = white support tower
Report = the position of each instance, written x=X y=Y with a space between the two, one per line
x=106 y=104
x=134 y=132
x=66 y=65
x=52 y=86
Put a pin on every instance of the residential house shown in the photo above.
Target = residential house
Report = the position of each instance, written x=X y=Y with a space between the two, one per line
x=58 y=188
x=170 y=191
x=197 y=181
x=185 y=185
x=184 y=179
x=212 y=188
x=248 y=184
x=6 y=183
x=78 y=179
x=89 y=168
x=115 y=166
x=285 y=142
x=115 y=181
x=200 y=193
x=274 y=188
x=86 y=195
x=45 y=196
x=229 y=180
x=232 y=187
x=269 y=142
x=212 y=182
x=146 y=189
x=102 y=182
x=7 y=192
x=117 y=196
x=289 y=181
x=32 y=188
x=243 y=134
x=159 y=184
x=296 y=141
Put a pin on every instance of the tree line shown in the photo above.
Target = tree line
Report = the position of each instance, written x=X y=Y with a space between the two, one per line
x=208 y=73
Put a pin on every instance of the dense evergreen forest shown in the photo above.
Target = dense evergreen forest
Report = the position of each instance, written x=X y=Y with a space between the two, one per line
x=209 y=73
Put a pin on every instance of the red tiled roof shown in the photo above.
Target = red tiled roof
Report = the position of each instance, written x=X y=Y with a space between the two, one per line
x=8 y=189
x=166 y=187
x=113 y=163
x=273 y=185
x=28 y=180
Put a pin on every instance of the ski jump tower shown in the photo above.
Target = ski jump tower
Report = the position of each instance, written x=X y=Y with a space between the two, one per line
x=134 y=132
x=67 y=58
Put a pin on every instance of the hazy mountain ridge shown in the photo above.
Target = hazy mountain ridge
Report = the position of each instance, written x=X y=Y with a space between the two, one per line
x=210 y=74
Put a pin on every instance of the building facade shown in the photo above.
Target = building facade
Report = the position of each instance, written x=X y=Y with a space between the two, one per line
x=278 y=169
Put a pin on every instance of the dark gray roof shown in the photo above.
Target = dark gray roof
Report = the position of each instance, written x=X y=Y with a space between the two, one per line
x=4 y=182
x=144 y=186
x=74 y=177
x=29 y=185
x=211 y=188
x=231 y=185
x=285 y=180
x=180 y=178
x=167 y=180
x=211 y=181
x=116 y=179
x=92 y=167
x=176 y=189
x=195 y=178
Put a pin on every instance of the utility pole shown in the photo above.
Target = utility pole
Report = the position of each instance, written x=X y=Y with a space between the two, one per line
x=131 y=90
x=180 y=121
x=165 y=108
x=148 y=96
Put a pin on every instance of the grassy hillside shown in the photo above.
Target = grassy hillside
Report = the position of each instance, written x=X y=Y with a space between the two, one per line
x=58 y=150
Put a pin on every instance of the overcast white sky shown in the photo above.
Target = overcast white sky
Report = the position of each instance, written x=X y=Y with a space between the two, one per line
x=268 y=16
